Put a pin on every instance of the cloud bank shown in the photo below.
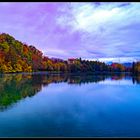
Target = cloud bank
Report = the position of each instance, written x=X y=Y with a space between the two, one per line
x=88 y=30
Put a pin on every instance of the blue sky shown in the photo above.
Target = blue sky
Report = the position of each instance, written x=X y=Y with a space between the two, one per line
x=105 y=31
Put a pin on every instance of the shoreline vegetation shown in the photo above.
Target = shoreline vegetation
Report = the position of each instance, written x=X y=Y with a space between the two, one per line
x=18 y=57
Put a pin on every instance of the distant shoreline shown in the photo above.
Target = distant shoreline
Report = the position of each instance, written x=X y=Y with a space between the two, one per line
x=60 y=72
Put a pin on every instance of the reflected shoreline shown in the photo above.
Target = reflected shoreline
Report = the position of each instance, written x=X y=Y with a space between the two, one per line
x=15 y=87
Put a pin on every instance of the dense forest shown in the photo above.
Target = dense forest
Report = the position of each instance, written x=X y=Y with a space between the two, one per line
x=16 y=56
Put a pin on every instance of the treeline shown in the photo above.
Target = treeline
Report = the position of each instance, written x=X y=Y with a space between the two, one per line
x=16 y=56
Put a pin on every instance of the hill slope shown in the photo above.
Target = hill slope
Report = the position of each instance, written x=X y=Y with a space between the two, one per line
x=16 y=56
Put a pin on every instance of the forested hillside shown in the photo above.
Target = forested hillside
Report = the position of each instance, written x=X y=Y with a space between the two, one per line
x=16 y=56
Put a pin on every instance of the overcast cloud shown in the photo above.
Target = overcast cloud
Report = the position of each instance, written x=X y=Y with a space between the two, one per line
x=87 y=30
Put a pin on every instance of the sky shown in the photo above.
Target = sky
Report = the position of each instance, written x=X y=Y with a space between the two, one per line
x=105 y=31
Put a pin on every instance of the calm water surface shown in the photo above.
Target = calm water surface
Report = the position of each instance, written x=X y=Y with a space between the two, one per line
x=42 y=105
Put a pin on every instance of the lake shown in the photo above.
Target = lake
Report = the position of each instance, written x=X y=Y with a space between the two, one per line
x=69 y=105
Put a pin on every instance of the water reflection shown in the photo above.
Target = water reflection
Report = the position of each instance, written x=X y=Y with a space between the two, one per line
x=14 y=87
x=136 y=80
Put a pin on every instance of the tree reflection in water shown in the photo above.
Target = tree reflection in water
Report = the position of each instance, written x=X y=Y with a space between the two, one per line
x=136 y=79
x=14 y=87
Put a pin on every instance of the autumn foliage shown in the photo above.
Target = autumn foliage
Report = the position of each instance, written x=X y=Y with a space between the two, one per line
x=16 y=56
